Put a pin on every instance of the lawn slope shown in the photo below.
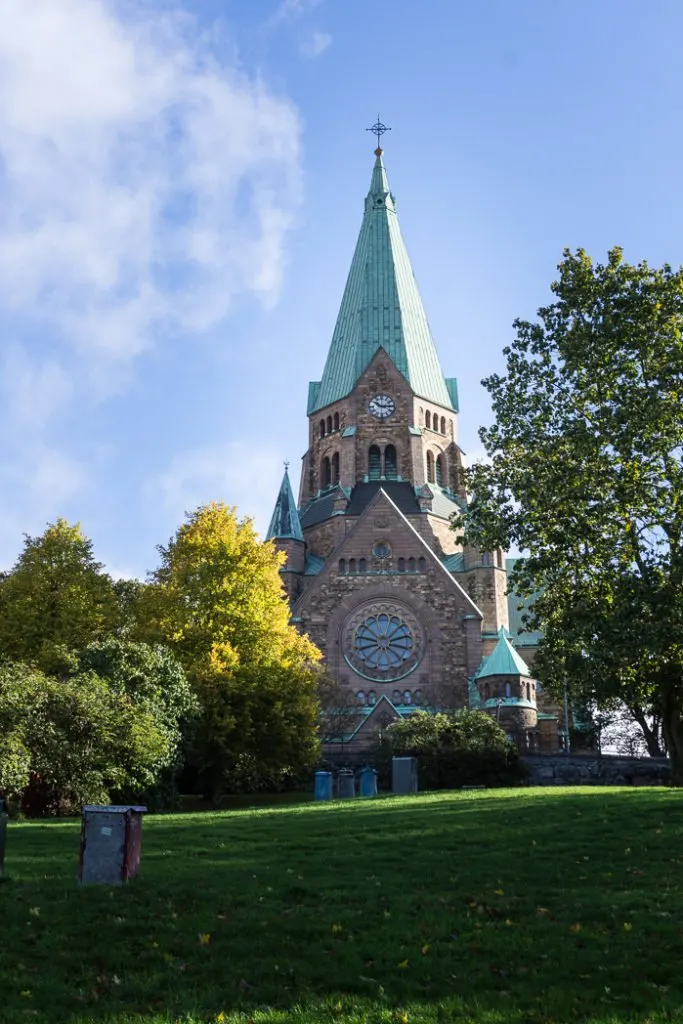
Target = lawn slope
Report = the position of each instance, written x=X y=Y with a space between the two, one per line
x=530 y=906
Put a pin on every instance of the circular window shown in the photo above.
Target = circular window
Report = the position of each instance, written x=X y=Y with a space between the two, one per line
x=383 y=641
x=381 y=549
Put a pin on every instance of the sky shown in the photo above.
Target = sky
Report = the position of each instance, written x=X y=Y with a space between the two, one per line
x=181 y=187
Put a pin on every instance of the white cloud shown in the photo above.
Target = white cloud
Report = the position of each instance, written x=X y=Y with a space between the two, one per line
x=289 y=10
x=315 y=44
x=146 y=181
x=240 y=473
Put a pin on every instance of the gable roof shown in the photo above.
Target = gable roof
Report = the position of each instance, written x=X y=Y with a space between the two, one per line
x=503 y=660
x=422 y=545
x=381 y=308
x=285 y=523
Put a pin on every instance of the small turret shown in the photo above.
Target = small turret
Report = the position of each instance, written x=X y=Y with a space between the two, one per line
x=285 y=530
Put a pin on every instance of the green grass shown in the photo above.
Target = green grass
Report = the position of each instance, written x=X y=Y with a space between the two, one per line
x=526 y=906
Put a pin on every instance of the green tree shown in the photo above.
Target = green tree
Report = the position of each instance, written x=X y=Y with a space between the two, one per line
x=585 y=474
x=217 y=601
x=55 y=600
x=71 y=741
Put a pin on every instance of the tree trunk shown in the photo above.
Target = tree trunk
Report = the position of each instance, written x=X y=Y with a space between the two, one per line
x=672 y=726
x=650 y=732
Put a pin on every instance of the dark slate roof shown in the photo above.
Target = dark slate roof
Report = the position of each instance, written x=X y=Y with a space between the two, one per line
x=285 y=520
x=401 y=493
x=454 y=563
x=313 y=565
x=318 y=509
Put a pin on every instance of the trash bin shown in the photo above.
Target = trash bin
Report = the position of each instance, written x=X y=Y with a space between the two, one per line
x=404 y=775
x=111 y=837
x=4 y=818
x=346 y=784
x=368 y=782
x=323 y=785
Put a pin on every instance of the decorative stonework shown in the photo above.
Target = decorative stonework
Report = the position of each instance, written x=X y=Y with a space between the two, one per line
x=383 y=641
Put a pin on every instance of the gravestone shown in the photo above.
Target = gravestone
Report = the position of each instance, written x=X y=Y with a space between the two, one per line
x=404 y=775
x=111 y=838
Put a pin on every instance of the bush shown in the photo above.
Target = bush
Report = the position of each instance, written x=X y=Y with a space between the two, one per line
x=466 y=748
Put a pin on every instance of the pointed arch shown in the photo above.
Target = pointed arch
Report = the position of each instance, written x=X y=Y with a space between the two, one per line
x=440 y=474
x=374 y=462
x=390 y=462
x=335 y=468
x=430 y=468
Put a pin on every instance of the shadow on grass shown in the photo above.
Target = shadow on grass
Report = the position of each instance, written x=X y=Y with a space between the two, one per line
x=526 y=905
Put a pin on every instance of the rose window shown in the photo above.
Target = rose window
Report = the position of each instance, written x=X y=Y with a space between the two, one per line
x=383 y=641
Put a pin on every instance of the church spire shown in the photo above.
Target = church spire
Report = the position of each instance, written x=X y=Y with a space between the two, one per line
x=285 y=523
x=381 y=308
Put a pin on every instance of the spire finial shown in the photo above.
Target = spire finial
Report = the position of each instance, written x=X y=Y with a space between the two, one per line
x=378 y=129
x=286 y=464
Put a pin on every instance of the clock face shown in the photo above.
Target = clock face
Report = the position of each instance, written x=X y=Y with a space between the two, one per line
x=382 y=406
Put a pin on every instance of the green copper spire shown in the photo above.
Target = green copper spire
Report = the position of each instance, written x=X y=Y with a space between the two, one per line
x=285 y=523
x=504 y=659
x=381 y=308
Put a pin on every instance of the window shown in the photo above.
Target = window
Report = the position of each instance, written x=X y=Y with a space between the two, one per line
x=352 y=564
x=508 y=690
x=428 y=420
x=336 y=421
x=411 y=565
x=421 y=565
x=342 y=565
x=329 y=424
x=326 y=473
x=335 y=468
x=390 y=462
x=360 y=697
x=528 y=691
x=362 y=565
x=443 y=424
x=439 y=470
x=401 y=565
x=396 y=696
x=417 y=697
x=321 y=429
x=430 y=468
x=372 y=698
x=407 y=697
x=374 y=462
x=487 y=558
x=420 y=417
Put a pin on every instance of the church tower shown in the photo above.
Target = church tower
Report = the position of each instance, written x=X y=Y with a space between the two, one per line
x=376 y=576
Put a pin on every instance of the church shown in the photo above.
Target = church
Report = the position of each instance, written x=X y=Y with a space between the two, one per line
x=406 y=617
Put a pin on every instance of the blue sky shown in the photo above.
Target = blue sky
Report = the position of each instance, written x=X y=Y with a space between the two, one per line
x=181 y=186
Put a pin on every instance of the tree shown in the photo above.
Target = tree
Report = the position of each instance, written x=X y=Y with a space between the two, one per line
x=55 y=600
x=71 y=741
x=585 y=474
x=340 y=711
x=217 y=601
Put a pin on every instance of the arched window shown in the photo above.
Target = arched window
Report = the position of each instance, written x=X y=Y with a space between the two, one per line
x=362 y=565
x=401 y=565
x=329 y=424
x=417 y=697
x=439 y=470
x=411 y=565
x=374 y=462
x=342 y=565
x=430 y=468
x=372 y=698
x=499 y=558
x=428 y=420
x=321 y=429
x=360 y=697
x=421 y=565
x=326 y=473
x=420 y=417
x=335 y=468
x=528 y=691
x=450 y=428
x=443 y=424
x=487 y=558
x=336 y=421
x=508 y=690
x=396 y=697
x=390 y=462
x=352 y=564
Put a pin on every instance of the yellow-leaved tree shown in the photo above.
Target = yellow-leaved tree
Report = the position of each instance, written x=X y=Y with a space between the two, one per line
x=217 y=601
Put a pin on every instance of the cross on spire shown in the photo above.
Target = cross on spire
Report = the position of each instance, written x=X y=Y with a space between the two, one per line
x=378 y=129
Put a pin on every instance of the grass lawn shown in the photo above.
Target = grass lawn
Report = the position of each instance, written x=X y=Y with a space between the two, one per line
x=531 y=906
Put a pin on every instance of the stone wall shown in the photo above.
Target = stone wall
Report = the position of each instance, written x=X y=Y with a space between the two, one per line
x=608 y=770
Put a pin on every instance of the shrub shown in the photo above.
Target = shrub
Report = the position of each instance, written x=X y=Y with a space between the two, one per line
x=465 y=748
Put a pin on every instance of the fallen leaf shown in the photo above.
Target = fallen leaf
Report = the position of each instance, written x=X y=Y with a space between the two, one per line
x=204 y=939
x=403 y=965
x=425 y=949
